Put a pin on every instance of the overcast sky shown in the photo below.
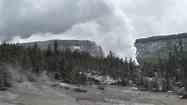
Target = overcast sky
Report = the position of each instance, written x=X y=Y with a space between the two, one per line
x=114 y=24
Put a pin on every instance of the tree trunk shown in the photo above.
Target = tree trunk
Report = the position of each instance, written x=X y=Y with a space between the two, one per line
x=185 y=79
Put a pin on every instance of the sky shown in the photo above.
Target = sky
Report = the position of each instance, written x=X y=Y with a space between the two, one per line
x=113 y=24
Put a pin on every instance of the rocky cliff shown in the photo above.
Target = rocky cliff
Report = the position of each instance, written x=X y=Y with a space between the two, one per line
x=153 y=48
x=81 y=45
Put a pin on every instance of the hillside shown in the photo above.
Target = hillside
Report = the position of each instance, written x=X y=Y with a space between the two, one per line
x=158 y=47
x=81 y=45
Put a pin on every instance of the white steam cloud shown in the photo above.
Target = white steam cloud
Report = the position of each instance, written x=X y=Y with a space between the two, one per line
x=114 y=24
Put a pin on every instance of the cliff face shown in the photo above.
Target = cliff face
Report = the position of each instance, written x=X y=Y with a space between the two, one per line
x=154 y=48
x=81 y=45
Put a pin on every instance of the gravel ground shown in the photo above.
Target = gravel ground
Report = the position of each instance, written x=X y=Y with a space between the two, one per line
x=37 y=94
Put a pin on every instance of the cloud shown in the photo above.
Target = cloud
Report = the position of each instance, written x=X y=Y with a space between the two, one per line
x=26 y=17
x=114 y=24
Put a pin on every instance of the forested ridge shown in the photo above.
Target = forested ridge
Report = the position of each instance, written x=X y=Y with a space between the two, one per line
x=70 y=66
x=64 y=65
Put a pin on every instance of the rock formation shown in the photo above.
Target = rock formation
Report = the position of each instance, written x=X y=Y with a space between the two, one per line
x=154 y=48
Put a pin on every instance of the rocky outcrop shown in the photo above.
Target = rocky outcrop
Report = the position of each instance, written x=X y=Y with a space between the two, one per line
x=154 y=48
x=81 y=45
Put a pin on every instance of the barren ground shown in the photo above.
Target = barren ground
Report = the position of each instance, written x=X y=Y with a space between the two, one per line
x=37 y=94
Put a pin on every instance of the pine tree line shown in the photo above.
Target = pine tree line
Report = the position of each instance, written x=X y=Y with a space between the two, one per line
x=170 y=73
x=64 y=65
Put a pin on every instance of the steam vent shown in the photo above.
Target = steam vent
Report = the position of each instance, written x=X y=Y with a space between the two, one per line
x=150 y=50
